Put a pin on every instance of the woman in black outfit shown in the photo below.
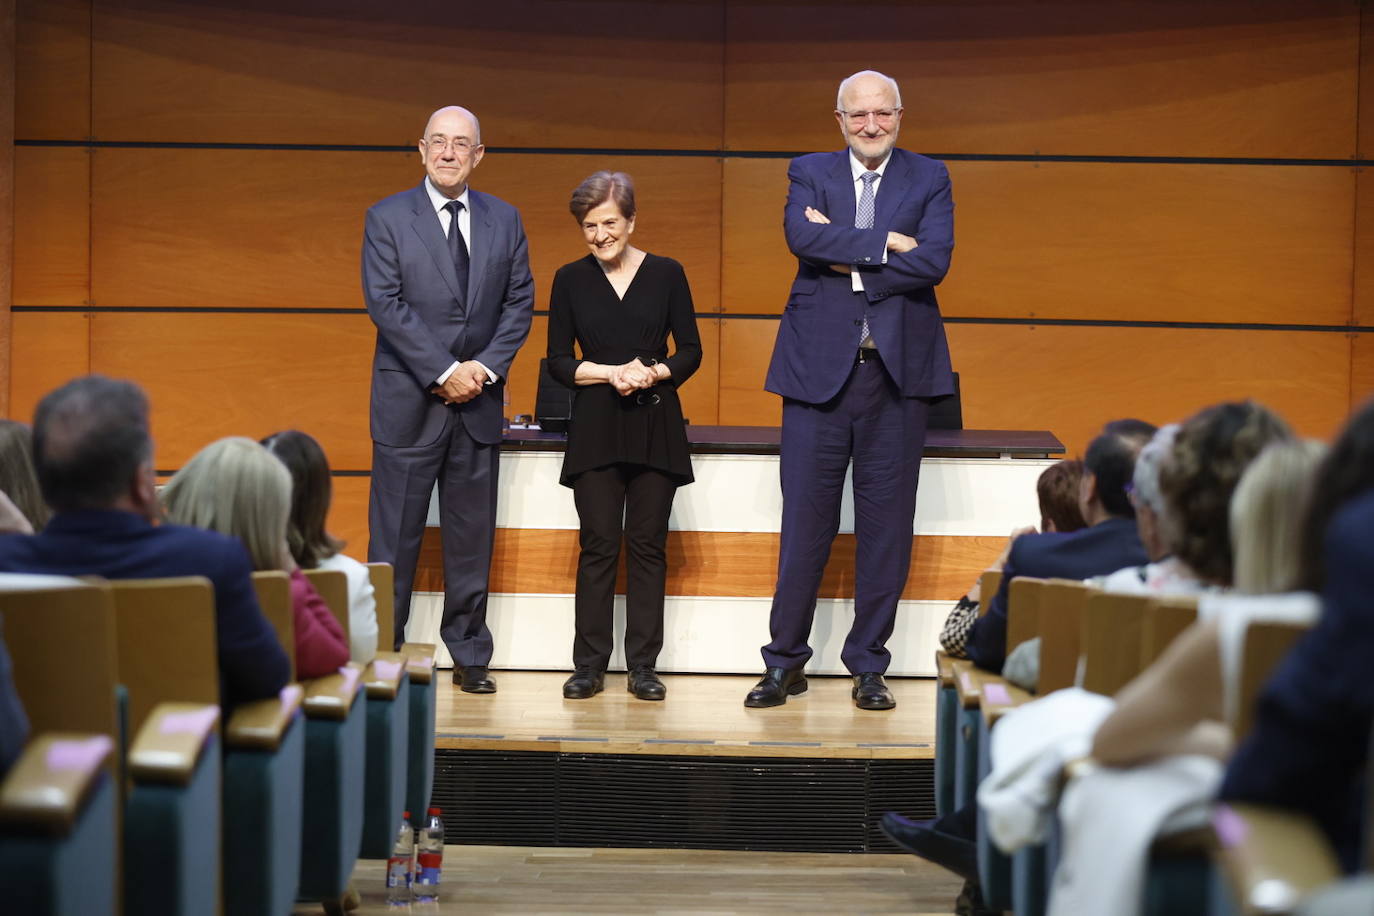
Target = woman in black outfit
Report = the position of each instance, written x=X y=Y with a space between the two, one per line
x=627 y=441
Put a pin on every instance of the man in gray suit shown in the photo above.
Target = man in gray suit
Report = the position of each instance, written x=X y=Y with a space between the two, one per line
x=447 y=281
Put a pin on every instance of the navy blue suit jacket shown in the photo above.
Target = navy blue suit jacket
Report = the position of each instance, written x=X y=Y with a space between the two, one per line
x=122 y=545
x=424 y=322
x=821 y=325
x=1104 y=548
x=1309 y=747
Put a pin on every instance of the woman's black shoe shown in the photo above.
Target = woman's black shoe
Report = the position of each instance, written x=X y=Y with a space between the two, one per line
x=584 y=683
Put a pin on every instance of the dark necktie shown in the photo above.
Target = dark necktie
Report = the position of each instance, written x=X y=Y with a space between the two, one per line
x=863 y=219
x=458 y=248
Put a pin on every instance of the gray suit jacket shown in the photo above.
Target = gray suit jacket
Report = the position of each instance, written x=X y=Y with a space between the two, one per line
x=424 y=324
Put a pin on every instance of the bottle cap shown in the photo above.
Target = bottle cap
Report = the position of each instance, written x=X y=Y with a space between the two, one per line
x=436 y=810
x=404 y=814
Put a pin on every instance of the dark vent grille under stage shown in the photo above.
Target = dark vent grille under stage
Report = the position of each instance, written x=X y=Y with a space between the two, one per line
x=638 y=800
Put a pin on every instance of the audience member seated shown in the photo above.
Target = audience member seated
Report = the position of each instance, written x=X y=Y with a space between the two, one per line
x=19 y=482
x=94 y=460
x=312 y=546
x=1057 y=491
x=1179 y=703
x=1308 y=750
x=14 y=724
x=1108 y=543
x=235 y=487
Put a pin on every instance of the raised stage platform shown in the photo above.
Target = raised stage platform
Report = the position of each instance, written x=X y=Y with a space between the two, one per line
x=526 y=767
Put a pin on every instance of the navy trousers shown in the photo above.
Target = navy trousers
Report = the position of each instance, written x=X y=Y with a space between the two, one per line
x=883 y=433
x=398 y=506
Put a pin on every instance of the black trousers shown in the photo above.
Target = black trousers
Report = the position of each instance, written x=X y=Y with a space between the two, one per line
x=634 y=501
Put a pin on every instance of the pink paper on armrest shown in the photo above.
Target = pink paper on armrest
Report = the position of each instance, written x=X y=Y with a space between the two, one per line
x=350 y=676
x=1229 y=826
x=290 y=694
x=997 y=693
x=386 y=670
x=192 y=723
x=78 y=755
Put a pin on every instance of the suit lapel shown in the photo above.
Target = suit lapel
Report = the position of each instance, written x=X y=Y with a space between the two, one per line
x=839 y=191
x=479 y=247
x=892 y=189
x=427 y=227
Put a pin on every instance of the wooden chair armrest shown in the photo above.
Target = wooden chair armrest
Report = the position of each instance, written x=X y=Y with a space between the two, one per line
x=47 y=785
x=169 y=744
x=968 y=680
x=260 y=725
x=419 y=661
x=944 y=668
x=1000 y=696
x=1272 y=857
x=331 y=696
x=384 y=674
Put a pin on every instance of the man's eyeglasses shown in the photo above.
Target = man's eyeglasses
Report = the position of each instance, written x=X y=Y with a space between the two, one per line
x=860 y=118
x=461 y=145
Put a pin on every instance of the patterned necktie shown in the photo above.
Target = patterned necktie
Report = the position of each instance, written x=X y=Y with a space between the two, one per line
x=457 y=247
x=863 y=219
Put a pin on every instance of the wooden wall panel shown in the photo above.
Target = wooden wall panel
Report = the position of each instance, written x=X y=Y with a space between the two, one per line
x=714 y=563
x=6 y=193
x=1361 y=369
x=746 y=345
x=1233 y=78
x=283 y=229
x=348 y=515
x=46 y=351
x=1363 y=294
x=52 y=210
x=210 y=376
x=540 y=73
x=53 y=69
x=1097 y=240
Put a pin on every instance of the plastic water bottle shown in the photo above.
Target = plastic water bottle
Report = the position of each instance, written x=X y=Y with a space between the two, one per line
x=430 y=857
x=398 y=865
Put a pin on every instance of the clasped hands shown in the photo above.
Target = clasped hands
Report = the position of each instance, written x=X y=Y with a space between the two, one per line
x=896 y=241
x=632 y=376
x=463 y=384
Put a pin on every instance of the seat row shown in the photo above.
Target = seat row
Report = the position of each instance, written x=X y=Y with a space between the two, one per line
x=134 y=796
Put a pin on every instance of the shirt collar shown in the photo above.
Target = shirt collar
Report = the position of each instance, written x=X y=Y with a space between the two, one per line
x=439 y=201
x=857 y=168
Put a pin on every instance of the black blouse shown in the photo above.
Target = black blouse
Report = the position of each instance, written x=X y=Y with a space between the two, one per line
x=640 y=428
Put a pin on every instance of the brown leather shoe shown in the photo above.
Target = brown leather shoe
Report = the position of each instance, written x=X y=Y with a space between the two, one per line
x=474 y=679
x=871 y=692
x=776 y=685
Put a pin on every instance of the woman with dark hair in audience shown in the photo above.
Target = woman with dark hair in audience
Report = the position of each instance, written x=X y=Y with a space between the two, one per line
x=1308 y=749
x=627 y=441
x=235 y=487
x=1057 y=491
x=315 y=548
x=18 y=481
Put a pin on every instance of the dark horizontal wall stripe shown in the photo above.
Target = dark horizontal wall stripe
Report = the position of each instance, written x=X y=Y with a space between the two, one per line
x=745 y=316
x=1351 y=162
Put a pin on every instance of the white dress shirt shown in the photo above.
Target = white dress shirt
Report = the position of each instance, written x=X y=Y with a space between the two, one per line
x=857 y=169
x=441 y=203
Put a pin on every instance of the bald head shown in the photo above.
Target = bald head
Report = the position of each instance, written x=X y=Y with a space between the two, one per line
x=867 y=82
x=445 y=116
x=451 y=149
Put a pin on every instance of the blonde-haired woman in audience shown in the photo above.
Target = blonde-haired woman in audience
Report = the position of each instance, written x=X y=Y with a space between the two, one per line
x=234 y=486
x=312 y=546
x=1179 y=703
x=22 y=503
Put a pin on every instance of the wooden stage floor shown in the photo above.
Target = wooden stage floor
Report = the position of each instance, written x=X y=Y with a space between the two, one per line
x=704 y=714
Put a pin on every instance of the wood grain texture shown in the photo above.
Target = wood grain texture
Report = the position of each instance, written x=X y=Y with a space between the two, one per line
x=541 y=73
x=1361 y=369
x=52 y=64
x=210 y=376
x=286 y=231
x=47 y=350
x=1230 y=78
x=1362 y=283
x=746 y=346
x=52 y=219
x=6 y=191
x=1124 y=242
x=736 y=564
x=347 y=518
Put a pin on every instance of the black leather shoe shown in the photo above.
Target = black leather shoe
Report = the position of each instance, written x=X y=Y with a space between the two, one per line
x=643 y=682
x=920 y=838
x=474 y=679
x=776 y=685
x=870 y=691
x=584 y=683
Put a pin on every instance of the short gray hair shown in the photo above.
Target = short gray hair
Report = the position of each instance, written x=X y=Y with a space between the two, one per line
x=1145 y=478
x=236 y=487
x=848 y=80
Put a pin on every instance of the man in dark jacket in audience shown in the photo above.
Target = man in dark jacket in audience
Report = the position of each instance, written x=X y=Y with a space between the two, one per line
x=94 y=459
x=1110 y=542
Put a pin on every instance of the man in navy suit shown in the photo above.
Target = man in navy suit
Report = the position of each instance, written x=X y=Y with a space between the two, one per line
x=447 y=281
x=1110 y=542
x=94 y=460
x=860 y=352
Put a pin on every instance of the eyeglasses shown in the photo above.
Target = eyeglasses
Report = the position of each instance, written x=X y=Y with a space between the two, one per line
x=461 y=145
x=860 y=118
